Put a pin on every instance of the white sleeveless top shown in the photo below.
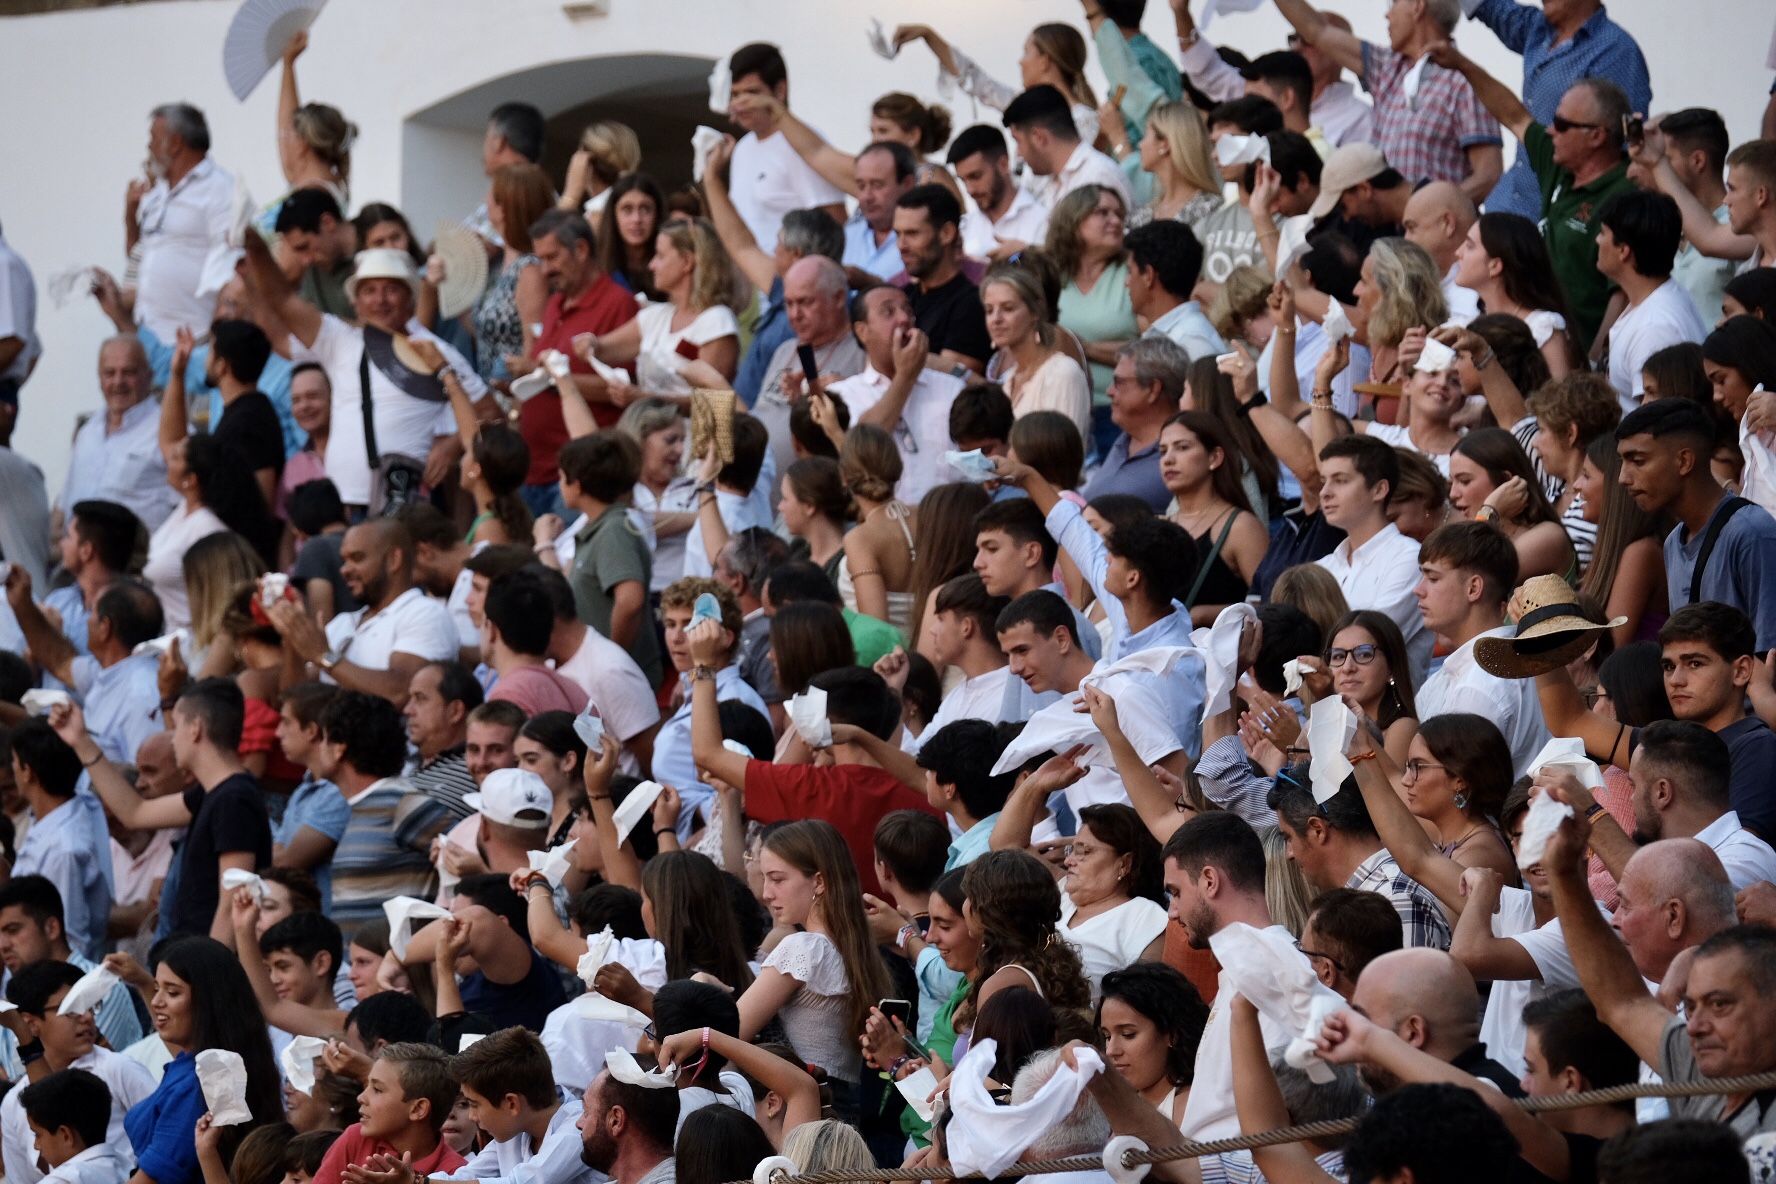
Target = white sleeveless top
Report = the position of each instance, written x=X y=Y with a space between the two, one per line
x=1112 y=940
x=817 y=1018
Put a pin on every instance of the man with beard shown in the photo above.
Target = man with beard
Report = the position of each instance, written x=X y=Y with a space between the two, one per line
x=627 y=1131
x=1214 y=875
x=1005 y=215
x=946 y=303
x=378 y=648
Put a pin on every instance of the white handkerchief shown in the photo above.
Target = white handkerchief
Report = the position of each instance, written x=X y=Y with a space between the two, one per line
x=6 y=1007
x=808 y=712
x=597 y=954
x=604 y=370
x=738 y=749
x=402 y=912
x=590 y=729
x=1568 y=753
x=160 y=645
x=223 y=1076
x=1232 y=150
x=533 y=384
x=558 y=364
x=878 y=39
x=987 y=1137
x=916 y=1089
x=240 y=877
x=1265 y=967
x=1337 y=325
x=447 y=879
x=298 y=1062
x=1292 y=677
x=703 y=141
x=554 y=862
x=1539 y=824
x=1223 y=646
x=625 y=1068
x=63 y=285
x=1330 y=726
x=38 y=701
x=1214 y=7
x=468 y=1038
x=593 y=1006
x=721 y=86
x=974 y=465
x=1292 y=241
x=633 y=808
x=1161 y=660
x=1436 y=357
x=89 y=992
x=272 y=586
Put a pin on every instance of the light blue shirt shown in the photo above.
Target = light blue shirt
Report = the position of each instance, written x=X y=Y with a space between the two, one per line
x=59 y=847
x=320 y=807
x=516 y=1161
x=274 y=381
x=862 y=252
x=124 y=466
x=974 y=843
x=122 y=703
x=1191 y=329
x=937 y=982
x=672 y=744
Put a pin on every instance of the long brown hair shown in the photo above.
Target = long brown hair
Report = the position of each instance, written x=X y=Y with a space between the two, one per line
x=1498 y=452
x=692 y=918
x=945 y=541
x=1017 y=908
x=1065 y=47
x=1209 y=431
x=523 y=194
x=1620 y=522
x=1212 y=391
x=1400 y=700
x=815 y=847
x=1062 y=243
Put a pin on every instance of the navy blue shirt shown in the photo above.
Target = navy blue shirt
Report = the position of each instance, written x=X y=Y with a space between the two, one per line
x=1741 y=571
x=523 y=1004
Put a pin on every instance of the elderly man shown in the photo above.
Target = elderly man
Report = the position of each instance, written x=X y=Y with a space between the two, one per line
x=116 y=455
x=1437 y=218
x=1428 y=122
x=1144 y=391
x=1564 y=41
x=182 y=220
x=814 y=298
x=378 y=648
x=411 y=414
x=1579 y=161
x=1429 y=999
x=883 y=172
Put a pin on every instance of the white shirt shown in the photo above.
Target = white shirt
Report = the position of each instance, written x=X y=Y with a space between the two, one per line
x=998 y=696
x=18 y=311
x=1114 y=939
x=124 y=466
x=923 y=432
x=1209 y=1113
x=1666 y=317
x=1501 y=1030
x=1747 y=858
x=657 y=366
x=185 y=254
x=468 y=634
x=104 y=1164
x=737 y=514
x=1342 y=116
x=413 y=623
x=1087 y=166
x=1511 y=703
x=1464 y=303
x=165 y=571
x=1025 y=221
x=767 y=178
x=129 y=1082
x=515 y=1161
x=616 y=688
x=405 y=425
x=1381 y=575
x=1401 y=437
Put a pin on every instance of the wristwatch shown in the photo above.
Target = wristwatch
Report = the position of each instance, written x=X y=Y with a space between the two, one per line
x=328 y=660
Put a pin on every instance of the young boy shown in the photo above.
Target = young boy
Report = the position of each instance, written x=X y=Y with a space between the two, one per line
x=68 y=1112
x=292 y=966
x=406 y=1098
x=509 y=1084
x=612 y=568
x=317 y=813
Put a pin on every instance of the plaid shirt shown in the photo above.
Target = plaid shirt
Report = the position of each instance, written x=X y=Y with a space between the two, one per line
x=1421 y=917
x=1425 y=136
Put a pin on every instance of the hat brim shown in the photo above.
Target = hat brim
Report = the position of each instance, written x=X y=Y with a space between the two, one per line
x=1528 y=657
x=1325 y=203
x=351 y=284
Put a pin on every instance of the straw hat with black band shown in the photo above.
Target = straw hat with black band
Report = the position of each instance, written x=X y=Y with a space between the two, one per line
x=1552 y=630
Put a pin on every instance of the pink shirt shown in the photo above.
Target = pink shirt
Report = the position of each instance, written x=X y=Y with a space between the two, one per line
x=306 y=465
x=538 y=689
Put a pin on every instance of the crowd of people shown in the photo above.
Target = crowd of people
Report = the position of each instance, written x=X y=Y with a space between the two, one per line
x=1171 y=615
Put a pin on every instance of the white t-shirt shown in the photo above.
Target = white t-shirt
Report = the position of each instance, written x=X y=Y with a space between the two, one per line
x=165 y=570
x=413 y=624
x=1025 y=221
x=129 y=1083
x=1460 y=685
x=1666 y=317
x=18 y=311
x=767 y=179
x=1501 y=1031
x=405 y=425
x=657 y=366
x=1209 y=1113
x=616 y=688
x=1112 y=940
x=1400 y=437
x=185 y=255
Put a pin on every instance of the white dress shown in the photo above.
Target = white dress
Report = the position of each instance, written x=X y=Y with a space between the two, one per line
x=817 y=1018
x=1112 y=940
x=657 y=366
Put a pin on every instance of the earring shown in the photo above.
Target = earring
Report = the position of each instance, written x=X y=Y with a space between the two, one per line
x=1461 y=801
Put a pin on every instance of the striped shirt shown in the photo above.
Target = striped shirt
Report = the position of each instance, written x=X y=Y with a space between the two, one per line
x=1582 y=533
x=369 y=865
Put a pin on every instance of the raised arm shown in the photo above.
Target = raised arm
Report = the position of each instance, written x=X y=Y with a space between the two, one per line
x=1400 y=832
x=1201 y=61
x=1498 y=99
x=709 y=643
x=620 y=864
x=288 y=101
x=1565 y=714
x=325 y=1022
x=946 y=58
x=275 y=293
x=1258 y=1100
x=49 y=647
x=799 y=1090
x=837 y=168
x=1700 y=229
x=174 y=426
x=1342 y=47
x=1018 y=819
x=1503 y=399
x=754 y=261
x=1324 y=419
x=129 y=807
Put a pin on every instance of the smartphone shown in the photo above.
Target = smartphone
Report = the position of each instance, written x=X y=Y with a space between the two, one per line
x=810 y=368
x=1634 y=130
x=893 y=1009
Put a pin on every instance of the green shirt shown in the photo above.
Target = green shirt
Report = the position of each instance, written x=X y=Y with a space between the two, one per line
x=324 y=287
x=943 y=1044
x=608 y=551
x=1570 y=225
x=872 y=639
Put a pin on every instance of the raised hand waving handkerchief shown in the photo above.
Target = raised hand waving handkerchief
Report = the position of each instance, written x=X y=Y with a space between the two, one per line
x=1540 y=822
x=89 y=992
x=634 y=807
x=986 y=1137
x=1265 y=966
x=298 y=1062
x=404 y=913
x=1330 y=726
x=553 y=863
x=625 y=1068
x=808 y=712
x=1568 y=753
x=1222 y=645
x=974 y=465
x=223 y=1076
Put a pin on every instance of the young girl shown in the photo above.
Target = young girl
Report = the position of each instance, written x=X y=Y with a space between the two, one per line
x=1491 y=480
x=1200 y=466
x=1150 y=1020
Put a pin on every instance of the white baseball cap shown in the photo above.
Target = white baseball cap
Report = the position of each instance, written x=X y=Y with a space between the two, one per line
x=513 y=797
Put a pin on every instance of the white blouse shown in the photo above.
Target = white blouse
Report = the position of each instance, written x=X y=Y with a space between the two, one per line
x=1057 y=385
x=658 y=365
x=817 y=1018
x=1112 y=940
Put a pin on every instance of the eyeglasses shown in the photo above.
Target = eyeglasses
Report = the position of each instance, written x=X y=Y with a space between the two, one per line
x=1593 y=696
x=1335 y=963
x=1362 y=655
x=1416 y=769
x=1563 y=124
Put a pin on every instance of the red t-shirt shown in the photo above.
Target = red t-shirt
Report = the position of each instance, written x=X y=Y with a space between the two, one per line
x=352 y=1147
x=851 y=797
x=600 y=309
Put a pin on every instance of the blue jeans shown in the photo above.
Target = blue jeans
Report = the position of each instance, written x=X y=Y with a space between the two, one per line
x=543 y=499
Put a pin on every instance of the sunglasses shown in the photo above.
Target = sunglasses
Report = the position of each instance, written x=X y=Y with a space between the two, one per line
x=1562 y=124
x=1362 y=655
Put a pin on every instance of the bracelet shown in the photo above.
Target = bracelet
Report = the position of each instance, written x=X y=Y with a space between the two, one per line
x=97 y=757
x=1593 y=810
x=702 y=674
x=536 y=880
x=1486 y=514
x=665 y=830
x=1485 y=360
x=598 y=797
x=706 y=1039
x=894 y=1067
x=1367 y=756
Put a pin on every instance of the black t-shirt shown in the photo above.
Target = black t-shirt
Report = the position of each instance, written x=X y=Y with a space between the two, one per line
x=523 y=1004
x=951 y=316
x=249 y=428
x=319 y=559
x=228 y=819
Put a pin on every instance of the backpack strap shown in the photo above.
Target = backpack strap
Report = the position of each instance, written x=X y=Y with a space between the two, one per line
x=369 y=415
x=1709 y=538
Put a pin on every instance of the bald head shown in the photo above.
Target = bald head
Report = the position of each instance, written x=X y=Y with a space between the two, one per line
x=124 y=375
x=1438 y=218
x=1675 y=893
x=157 y=772
x=1426 y=992
x=376 y=560
x=814 y=300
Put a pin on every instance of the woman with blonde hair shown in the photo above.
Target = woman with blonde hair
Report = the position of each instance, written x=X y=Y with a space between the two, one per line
x=1286 y=893
x=1399 y=290
x=695 y=321
x=214 y=568
x=828 y=1146
x=1176 y=150
x=1036 y=375
x=876 y=578
x=314 y=142
x=1085 y=242
x=1054 y=55
x=607 y=150
x=1240 y=311
x=1315 y=591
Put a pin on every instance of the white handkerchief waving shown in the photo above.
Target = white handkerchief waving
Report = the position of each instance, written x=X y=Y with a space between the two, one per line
x=1330 y=726
x=703 y=140
x=634 y=807
x=808 y=712
x=1539 y=824
x=553 y=863
x=878 y=39
x=223 y=1076
x=987 y=1137
x=402 y=912
x=38 y=701
x=160 y=645
x=590 y=729
x=298 y=1062
x=625 y=1068
x=1337 y=325
x=1436 y=357
x=1223 y=646
x=239 y=877
x=974 y=465
x=721 y=86
x=598 y=947
x=1567 y=753
x=1232 y=150
x=89 y=992
x=1265 y=967
x=1292 y=671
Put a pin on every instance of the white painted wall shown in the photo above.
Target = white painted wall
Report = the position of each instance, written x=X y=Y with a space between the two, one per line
x=75 y=89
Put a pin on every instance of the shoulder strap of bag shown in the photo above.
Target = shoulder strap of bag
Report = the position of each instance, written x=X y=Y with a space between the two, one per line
x=369 y=415
x=1202 y=569
x=1709 y=538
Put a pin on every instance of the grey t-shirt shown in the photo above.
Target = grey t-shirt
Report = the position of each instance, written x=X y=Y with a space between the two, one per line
x=1742 y=566
x=843 y=357
x=1757 y=1116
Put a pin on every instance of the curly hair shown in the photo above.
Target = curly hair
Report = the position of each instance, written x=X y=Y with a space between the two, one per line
x=1160 y=993
x=1583 y=399
x=683 y=593
x=1016 y=906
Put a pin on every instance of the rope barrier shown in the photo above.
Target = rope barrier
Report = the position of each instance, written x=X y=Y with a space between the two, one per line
x=1131 y=1158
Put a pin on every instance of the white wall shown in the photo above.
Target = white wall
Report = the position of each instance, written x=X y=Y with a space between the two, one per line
x=76 y=88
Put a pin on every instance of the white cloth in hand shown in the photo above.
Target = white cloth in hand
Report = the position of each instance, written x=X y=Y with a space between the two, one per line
x=298 y=1062
x=986 y=1137
x=1330 y=726
x=1539 y=824
x=1265 y=967
x=223 y=1076
x=808 y=712
x=402 y=912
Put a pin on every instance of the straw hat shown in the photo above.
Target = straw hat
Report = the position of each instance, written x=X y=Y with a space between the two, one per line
x=1552 y=630
x=383 y=263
